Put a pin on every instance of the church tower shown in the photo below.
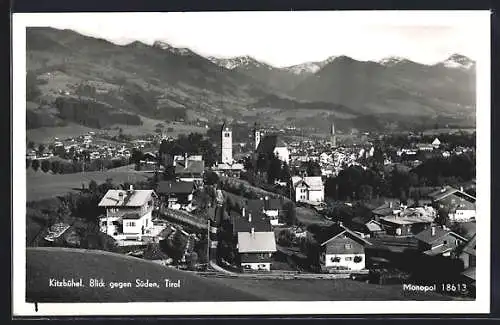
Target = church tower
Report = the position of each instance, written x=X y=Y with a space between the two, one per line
x=227 y=145
x=257 y=135
x=333 y=138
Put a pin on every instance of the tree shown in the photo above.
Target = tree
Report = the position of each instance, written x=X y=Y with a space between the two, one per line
x=443 y=217
x=55 y=166
x=290 y=213
x=177 y=245
x=136 y=157
x=210 y=178
x=313 y=168
x=365 y=192
x=285 y=237
x=31 y=145
x=41 y=148
x=192 y=260
x=274 y=171
x=45 y=165
x=35 y=164
x=32 y=90
x=93 y=186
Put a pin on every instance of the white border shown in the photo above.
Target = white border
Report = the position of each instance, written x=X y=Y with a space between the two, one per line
x=481 y=305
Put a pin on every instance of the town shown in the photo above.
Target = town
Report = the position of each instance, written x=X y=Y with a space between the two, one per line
x=381 y=208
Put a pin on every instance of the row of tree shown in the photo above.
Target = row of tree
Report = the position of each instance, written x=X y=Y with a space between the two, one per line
x=74 y=166
x=357 y=183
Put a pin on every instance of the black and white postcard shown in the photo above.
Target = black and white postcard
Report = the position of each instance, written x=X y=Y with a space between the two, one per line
x=249 y=163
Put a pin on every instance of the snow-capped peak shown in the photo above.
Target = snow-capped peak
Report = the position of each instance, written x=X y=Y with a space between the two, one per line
x=239 y=61
x=391 y=60
x=310 y=67
x=167 y=47
x=458 y=61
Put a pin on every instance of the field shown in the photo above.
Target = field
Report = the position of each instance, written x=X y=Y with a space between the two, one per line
x=40 y=185
x=308 y=217
x=324 y=290
x=47 y=134
x=58 y=263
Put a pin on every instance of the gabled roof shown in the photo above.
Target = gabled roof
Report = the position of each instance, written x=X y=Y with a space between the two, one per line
x=135 y=198
x=296 y=180
x=373 y=225
x=447 y=191
x=469 y=247
x=169 y=187
x=427 y=237
x=260 y=222
x=257 y=242
x=314 y=183
x=386 y=209
x=439 y=250
x=190 y=166
x=338 y=230
x=470 y=273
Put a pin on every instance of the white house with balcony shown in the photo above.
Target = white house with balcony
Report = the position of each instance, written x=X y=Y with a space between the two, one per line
x=309 y=189
x=128 y=213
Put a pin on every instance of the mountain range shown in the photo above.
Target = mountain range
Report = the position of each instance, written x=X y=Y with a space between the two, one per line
x=156 y=80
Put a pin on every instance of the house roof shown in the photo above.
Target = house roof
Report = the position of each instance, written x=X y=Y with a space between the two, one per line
x=470 y=273
x=190 y=166
x=447 y=191
x=373 y=225
x=260 y=222
x=256 y=242
x=135 y=198
x=407 y=220
x=470 y=246
x=296 y=179
x=427 y=237
x=169 y=187
x=314 y=183
x=131 y=216
x=386 y=209
x=439 y=250
x=337 y=230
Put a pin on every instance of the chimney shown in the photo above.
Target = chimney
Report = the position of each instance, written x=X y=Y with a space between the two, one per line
x=390 y=204
x=249 y=217
x=461 y=188
x=433 y=231
x=131 y=188
x=243 y=211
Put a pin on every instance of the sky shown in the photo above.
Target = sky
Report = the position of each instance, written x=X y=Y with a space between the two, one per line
x=292 y=37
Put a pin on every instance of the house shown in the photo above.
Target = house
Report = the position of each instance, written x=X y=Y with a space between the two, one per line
x=343 y=250
x=436 y=143
x=310 y=188
x=256 y=250
x=255 y=240
x=461 y=206
x=367 y=225
x=128 y=213
x=175 y=194
x=149 y=161
x=190 y=171
x=269 y=206
x=437 y=240
x=229 y=170
x=467 y=253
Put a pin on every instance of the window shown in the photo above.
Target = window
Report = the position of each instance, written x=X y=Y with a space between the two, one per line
x=247 y=266
x=358 y=259
x=335 y=259
x=445 y=242
x=227 y=135
x=348 y=258
x=130 y=224
x=348 y=246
